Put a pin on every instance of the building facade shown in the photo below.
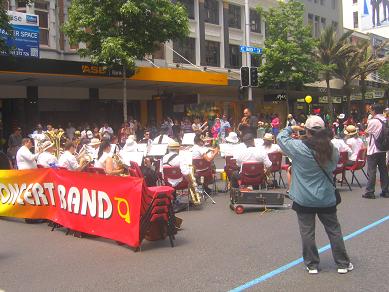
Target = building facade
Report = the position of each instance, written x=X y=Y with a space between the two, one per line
x=202 y=68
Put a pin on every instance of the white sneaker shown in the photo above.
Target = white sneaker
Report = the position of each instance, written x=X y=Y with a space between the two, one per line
x=312 y=271
x=346 y=270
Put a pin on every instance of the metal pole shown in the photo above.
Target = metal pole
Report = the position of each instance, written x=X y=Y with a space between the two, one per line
x=247 y=33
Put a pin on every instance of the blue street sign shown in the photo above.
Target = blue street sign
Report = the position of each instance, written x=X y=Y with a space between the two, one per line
x=253 y=50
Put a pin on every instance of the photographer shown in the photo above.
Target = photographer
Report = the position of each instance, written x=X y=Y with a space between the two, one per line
x=312 y=191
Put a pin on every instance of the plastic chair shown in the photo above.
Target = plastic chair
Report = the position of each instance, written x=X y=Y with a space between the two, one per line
x=174 y=173
x=340 y=168
x=229 y=168
x=276 y=166
x=204 y=169
x=252 y=173
x=359 y=164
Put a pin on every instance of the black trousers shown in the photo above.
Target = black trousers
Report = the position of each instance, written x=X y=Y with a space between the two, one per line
x=373 y=161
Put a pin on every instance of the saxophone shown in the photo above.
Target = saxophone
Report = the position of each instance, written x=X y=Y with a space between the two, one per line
x=193 y=190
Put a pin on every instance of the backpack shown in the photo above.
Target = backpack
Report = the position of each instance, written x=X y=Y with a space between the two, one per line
x=382 y=141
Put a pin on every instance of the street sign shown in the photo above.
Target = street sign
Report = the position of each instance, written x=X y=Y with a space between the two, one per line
x=253 y=50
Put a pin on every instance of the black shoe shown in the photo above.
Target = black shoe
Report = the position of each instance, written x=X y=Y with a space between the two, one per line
x=384 y=195
x=368 y=196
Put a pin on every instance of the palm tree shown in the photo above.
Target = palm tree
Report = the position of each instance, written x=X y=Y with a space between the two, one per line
x=358 y=64
x=329 y=50
x=369 y=63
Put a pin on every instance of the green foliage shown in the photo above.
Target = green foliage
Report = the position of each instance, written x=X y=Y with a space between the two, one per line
x=383 y=72
x=117 y=32
x=4 y=24
x=289 y=47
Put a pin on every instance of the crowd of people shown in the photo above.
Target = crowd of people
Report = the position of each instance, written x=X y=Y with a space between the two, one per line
x=311 y=147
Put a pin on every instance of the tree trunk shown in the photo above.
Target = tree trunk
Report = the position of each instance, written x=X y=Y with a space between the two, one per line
x=124 y=94
x=330 y=104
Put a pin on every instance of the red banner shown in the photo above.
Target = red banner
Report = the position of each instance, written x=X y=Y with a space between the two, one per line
x=106 y=206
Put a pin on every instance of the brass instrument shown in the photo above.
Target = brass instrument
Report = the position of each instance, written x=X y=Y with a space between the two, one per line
x=117 y=161
x=193 y=190
x=85 y=160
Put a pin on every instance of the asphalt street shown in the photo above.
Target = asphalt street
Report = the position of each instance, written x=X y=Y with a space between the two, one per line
x=216 y=250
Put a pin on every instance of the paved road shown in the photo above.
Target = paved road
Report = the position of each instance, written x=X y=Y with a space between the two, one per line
x=216 y=250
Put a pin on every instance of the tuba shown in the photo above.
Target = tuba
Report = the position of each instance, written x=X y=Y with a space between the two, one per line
x=193 y=190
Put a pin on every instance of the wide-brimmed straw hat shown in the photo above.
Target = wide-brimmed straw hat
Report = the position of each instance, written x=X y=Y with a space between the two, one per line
x=268 y=137
x=47 y=145
x=174 y=145
x=341 y=116
x=350 y=130
x=94 y=142
x=232 y=138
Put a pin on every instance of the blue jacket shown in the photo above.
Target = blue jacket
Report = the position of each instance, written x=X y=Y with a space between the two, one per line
x=309 y=187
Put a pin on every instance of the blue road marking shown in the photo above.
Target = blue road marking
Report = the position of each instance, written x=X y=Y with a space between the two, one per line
x=300 y=260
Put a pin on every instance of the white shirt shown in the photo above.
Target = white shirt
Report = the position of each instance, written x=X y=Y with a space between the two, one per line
x=355 y=144
x=199 y=151
x=165 y=140
x=25 y=159
x=253 y=154
x=68 y=160
x=341 y=146
x=272 y=148
x=373 y=129
x=100 y=163
x=46 y=159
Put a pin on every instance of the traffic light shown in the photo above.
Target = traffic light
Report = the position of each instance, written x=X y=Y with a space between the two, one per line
x=244 y=76
x=253 y=76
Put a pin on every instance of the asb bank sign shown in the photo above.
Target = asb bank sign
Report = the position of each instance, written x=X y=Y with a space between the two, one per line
x=25 y=39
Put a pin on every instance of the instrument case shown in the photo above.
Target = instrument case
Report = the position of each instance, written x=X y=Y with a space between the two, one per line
x=242 y=199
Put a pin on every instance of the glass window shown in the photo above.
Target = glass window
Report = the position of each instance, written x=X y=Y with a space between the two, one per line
x=189 y=5
x=355 y=18
x=335 y=24
x=211 y=8
x=323 y=23
x=234 y=19
x=333 y=4
x=187 y=48
x=317 y=26
x=41 y=9
x=255 y=21
x=212 y=53
x=310 y=22
x=235 y=56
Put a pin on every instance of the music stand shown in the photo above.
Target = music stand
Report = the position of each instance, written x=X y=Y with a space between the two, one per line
x=188 y=139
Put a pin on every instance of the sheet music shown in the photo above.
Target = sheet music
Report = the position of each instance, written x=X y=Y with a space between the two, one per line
x=186 y=157
x=132 y=156
x=188 y=139
x=142 y=147
x=157 y=150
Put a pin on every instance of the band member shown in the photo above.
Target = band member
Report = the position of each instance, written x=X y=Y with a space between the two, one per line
x=250 y=154
x=105 y=161
x=130 y=146
x=248 y=123
x=173 y=159
x=268 y=144
x=93 y=148
x=146 y=138
x=200 y=151
x=68 y=160
x=24 y=158
x=47 y=158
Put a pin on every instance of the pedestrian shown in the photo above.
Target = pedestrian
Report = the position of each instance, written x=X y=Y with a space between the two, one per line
x=275 y=124
x=375 y=156
x=14 y=143
x=313 y=192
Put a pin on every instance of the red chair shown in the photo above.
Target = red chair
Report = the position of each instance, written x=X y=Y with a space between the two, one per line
x=359 y=164
x=149 y=193
x=340 y=168
x=204 y=169
x=229 y=168
x=252 y=173
x=95 y=170
x=174 y=173
x=276 y=166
